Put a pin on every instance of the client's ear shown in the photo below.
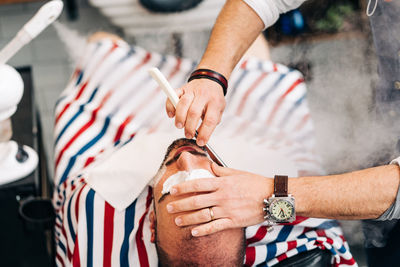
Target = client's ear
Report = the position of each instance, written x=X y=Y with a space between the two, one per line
x=153 y=224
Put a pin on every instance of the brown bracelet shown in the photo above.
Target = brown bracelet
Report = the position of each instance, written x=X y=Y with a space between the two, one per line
x=211 y=75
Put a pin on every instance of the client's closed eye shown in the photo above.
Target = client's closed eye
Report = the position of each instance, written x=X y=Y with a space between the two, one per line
x=193 y=152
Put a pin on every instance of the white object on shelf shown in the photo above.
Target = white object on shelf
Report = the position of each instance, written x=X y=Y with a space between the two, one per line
x=10 y=168
x=11 y=91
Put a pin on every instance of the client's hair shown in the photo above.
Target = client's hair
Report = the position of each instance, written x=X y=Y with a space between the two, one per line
x=202 y=251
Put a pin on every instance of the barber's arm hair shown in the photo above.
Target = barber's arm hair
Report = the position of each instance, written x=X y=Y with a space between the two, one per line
x=364 y=194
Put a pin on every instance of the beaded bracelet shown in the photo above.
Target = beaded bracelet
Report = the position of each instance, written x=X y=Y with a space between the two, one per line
x=211 y=75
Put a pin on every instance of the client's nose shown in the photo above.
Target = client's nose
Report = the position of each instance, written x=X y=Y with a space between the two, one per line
x=186 y=161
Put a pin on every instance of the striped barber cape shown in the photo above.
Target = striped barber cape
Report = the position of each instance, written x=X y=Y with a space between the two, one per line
x=110 y=96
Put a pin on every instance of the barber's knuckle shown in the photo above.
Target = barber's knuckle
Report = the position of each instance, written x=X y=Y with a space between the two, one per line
x=185 y=99
x=194 y=113
x=210 y=121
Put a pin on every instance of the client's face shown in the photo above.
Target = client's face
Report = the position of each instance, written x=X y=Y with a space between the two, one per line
x=176 y=245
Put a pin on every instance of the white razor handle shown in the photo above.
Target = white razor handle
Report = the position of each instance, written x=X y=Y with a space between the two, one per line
x=173 y=97
x=165 y=86
x=46 y=15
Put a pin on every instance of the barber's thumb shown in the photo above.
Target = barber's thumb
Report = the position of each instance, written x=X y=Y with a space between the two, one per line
x=170 y=108
x=222 y=171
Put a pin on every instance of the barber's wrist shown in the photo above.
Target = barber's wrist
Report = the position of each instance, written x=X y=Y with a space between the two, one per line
x=297 y=188
x=212 y=75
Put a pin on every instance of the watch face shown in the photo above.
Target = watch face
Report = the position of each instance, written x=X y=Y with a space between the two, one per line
x=282 y=210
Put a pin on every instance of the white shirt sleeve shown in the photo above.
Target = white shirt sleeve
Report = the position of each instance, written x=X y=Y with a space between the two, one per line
x=393 y=212
x=269 y=10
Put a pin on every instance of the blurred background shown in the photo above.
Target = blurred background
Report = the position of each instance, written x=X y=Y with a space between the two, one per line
x=328 y=41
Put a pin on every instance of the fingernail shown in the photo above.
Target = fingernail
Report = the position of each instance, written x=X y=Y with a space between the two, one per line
x=179 y=125
x=170 y=114
x=195 y=232
x=169 y=208
x=188 y=136
x=173 y=191
x=201 y=142
x=178 y=221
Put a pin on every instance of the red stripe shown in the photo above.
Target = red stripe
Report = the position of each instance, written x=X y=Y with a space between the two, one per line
x=108 y=234
x=281 y=257
x=348 y=262
x=143 y=258
x=260 y=234
x=76 y=261
x=89 y=160
x=122 y=127
x=250 y=256
x=62 y=112
x=275 y=67
x=84 y=128
x=60 y=259
x=280 y=100
x=77 y=203
x=69 y=253
x=302 y=122
x=244 y=64
x=291 y=245
x=83 y=86
x=249 y=91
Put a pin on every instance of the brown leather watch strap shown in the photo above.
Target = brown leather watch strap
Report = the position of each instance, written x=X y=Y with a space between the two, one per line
x=281 y=186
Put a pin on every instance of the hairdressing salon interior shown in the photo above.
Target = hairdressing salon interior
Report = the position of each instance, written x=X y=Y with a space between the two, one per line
x=328 y=41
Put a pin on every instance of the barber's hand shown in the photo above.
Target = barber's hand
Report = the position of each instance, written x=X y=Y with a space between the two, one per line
x=200 y=98
x=236 y=200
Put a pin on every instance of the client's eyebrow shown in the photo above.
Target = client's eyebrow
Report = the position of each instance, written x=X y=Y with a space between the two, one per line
x=162 y=197
x=193 y=152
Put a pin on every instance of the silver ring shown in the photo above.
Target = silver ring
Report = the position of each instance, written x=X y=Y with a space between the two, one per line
x=211 y=214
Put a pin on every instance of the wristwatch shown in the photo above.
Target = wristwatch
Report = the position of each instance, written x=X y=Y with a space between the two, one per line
x=280 y=208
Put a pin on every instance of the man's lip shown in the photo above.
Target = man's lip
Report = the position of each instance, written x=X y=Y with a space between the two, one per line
x=182 y=149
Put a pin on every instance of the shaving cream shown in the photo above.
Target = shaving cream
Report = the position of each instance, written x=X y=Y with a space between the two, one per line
x=183 y=176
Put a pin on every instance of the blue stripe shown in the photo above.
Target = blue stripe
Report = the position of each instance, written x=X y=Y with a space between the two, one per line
x=271 y=88
x=302 y=248
x=328 y=224
x=271 y=251
x=80 y=76
x=70 y=224
x=72 y=160
x=342 y=249
x=129 y=224
x=61 y=245
x=290 y=112
x=59 y=100
x=89 y=225
x=284 y=233
x=233 y=89
x=79 y=112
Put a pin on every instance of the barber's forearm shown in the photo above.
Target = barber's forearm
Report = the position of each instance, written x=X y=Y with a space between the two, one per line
x=364 y=194
x=236 y=28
